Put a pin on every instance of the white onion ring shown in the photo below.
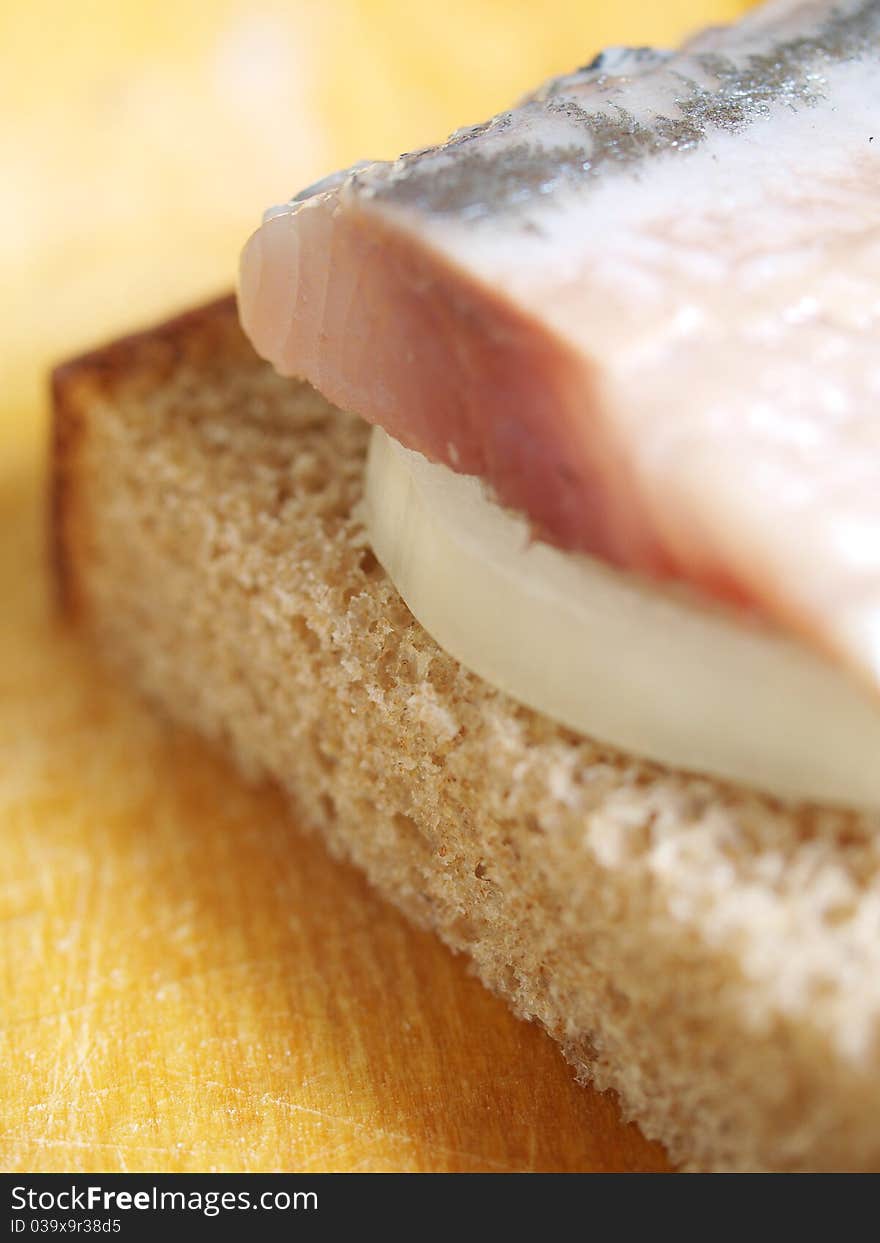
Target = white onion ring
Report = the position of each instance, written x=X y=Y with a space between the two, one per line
x=650 y=671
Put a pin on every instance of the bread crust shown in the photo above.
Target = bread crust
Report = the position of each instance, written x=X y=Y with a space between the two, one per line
x=74 y=383
x=66 y=431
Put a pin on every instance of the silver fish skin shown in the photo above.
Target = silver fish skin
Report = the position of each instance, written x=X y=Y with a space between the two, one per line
x=643 y=305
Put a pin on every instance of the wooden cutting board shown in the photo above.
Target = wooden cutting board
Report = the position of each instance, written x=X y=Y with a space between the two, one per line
x=186 y=982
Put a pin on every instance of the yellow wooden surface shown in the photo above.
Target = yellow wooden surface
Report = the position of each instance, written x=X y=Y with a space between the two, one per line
x=185 y=983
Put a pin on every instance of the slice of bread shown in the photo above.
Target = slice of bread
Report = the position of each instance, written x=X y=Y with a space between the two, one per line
x=710 y=954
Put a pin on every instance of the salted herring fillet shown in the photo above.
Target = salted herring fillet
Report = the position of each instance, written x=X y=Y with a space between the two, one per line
x=643 y=306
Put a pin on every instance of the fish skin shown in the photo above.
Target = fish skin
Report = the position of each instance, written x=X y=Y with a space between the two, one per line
x=643 y=306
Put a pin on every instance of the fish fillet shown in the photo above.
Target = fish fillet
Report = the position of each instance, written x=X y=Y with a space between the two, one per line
x=643 y=305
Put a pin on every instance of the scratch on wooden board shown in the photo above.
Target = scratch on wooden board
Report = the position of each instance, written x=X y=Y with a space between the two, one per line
x=376 y=1133
x=380 y=1133
x=63 y=1013
x=88 y=1145
x=58 y=1097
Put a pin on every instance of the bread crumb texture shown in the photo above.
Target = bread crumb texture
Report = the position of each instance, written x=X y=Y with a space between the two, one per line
x=711 y=955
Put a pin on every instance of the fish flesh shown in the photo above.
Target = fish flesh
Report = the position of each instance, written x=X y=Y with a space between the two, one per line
x=643 y=305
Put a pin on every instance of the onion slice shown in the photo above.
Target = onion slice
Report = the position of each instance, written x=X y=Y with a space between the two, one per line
x=649 y=670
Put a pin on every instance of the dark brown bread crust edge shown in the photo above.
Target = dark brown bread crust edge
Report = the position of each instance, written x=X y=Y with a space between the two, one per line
x=65 y=434
x=99 y=369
